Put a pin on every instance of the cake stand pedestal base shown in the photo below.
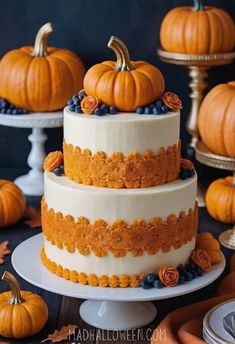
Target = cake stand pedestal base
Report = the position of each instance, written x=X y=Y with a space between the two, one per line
x=32 y=183
x=112 y=315
x=227 y=238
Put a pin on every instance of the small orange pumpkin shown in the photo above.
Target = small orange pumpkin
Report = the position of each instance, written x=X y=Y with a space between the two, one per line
x=208 y=243
x=22 y=313
x=40 y=78
x=12 y=203
x=125 y=84
x=216 y=121
x=197 y=30
x=220 y=199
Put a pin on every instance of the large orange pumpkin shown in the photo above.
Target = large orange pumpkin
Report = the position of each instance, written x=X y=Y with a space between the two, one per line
x=22 y=313
x=197 y=30
x=125 y=84
x=216 y=120
x=12 y=203
x=40 y=78
x=220 y=199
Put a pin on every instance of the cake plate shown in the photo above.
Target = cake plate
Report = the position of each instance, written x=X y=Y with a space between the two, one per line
x=32 y=183
x=204 y=156
x=106 y=308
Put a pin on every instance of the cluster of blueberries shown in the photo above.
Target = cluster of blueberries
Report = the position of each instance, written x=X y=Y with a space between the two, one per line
x=186 y=173
x=9 y=109
x=59 y=171
x=157 y=108
x=74 y=105
x=186 y=273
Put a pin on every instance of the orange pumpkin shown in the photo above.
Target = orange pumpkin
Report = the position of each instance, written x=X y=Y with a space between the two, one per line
x=12 y=203
x=125 y=84
x=208 y=243
x=40 y=78
x=22 y=313
x=220 y=199
x=216 y=121
x=197 y=30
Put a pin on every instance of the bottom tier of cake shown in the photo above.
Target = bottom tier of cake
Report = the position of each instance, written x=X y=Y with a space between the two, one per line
x=137 y=231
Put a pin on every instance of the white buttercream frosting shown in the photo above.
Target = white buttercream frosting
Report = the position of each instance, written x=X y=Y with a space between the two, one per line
x=109 y=265
x=124 y=132
x=70 y=198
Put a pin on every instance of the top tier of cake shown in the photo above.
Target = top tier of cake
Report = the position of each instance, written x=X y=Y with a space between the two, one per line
x=122 y=151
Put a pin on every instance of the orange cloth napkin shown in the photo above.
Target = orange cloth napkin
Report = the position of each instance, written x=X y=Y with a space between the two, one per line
x=184 y=325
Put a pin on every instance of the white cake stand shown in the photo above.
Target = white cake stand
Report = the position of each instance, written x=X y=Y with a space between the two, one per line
x=32 y=183
x=106 y=308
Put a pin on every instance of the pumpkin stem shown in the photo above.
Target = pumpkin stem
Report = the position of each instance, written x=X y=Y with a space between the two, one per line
x=16 y=297
x=198 y=6
x=40 y=45
x=122 y=54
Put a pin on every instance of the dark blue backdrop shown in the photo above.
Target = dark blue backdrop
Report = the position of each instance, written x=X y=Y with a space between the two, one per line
x=85 y=26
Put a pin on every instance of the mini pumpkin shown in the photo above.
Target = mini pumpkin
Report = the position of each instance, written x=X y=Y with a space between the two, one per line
x=12 y=203
x=22 y=313
x=208 y=243
x=220 y=199
x=216 y=121
x=197 y=30
x=40 y=78
x=124 y=84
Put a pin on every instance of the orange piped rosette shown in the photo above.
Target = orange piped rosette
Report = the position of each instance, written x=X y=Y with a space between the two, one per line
x=185 y=163
x=169 y=276
x=172 y=101
x=89 y=104
x=53 y=160
x=201 y=259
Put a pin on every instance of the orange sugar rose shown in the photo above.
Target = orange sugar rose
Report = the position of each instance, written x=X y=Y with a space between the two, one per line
x=169 y=276
x=89 y=104
x=53 y=160
x=201 y=259
x=172 y=101
x=184 y=163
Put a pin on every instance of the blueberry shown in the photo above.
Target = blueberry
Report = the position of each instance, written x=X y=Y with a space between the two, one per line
x=76 y=102
x=164 y=109
x=19 y=111
x=192 y=265
x=78 y=109
x=157 y=284
x=150 y=278
x=98 y=112
x=144 y=284
x=70 y=102
x=181 y=269
x=181 y=279
x=184 y=174
x=156 y=111
x=62 y=169
x=148 y=110
x=194 y=274
x=15 y=112
x=9 y=111
x=152 y=106
x=139 y=110
x=82 y=92
x=191 y=173
x=189 y=153
x=3 y=110
x=159 y=104
x=74 y=98
x=112 y=110
x=72 y=108
x=104 y=108
x=199 y=271
x=57 y=171
x=81 y=96
x=188 y=276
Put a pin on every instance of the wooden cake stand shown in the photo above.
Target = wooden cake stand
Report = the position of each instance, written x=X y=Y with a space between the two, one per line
x=32 y=183
x=204 y=156
x=106 y=308
x=198 y=65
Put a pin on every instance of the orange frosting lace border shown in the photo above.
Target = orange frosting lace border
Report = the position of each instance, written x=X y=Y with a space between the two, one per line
x=119 y=238
x=93 y=280
x=119 y=171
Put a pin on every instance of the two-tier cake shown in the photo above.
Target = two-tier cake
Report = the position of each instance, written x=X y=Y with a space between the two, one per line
x=120 y=209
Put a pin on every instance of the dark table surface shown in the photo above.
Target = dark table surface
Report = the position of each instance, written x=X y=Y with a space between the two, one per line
x=65 y=310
